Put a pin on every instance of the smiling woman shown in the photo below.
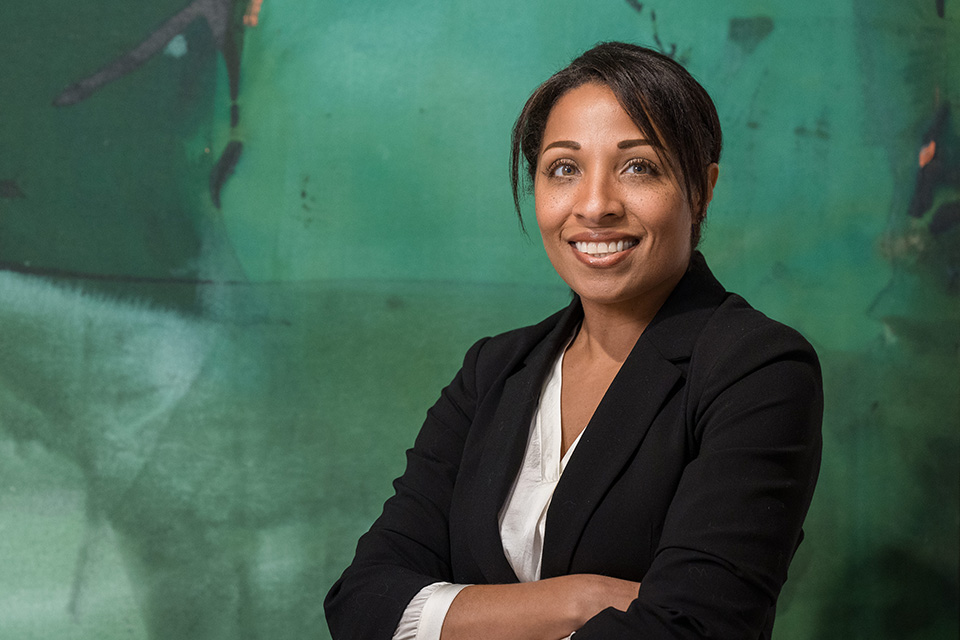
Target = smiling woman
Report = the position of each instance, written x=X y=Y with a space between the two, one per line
x=639 y=464
x=599 y=183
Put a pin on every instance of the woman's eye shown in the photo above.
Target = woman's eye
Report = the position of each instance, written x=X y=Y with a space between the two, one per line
x=562 y=170
x=641 y=166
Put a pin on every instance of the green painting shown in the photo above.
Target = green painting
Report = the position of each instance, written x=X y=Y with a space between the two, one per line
x=244 y=243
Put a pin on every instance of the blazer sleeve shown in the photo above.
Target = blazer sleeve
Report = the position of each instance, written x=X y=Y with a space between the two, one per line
x=754 y=408
x=408 y=546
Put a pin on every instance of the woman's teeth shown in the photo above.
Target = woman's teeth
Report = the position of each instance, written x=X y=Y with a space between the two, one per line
x=601 y=249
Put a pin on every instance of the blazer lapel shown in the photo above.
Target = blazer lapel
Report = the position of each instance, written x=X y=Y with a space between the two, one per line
x=606 y=446
x=503 y=450
x=627 y=411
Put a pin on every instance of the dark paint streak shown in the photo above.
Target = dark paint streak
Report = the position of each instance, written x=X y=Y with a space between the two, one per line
x=946 y=217
x=10 y=190
x=923 y=190
x=749 y=32
x=225 y=21
x=231 y=51
x=937 y=172
x=672 y=53
x=217 y=14
x=224 y=169
x=822 y=131
x=936 y=129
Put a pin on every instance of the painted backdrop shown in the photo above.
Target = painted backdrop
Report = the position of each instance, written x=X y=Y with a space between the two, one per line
x=243 y=244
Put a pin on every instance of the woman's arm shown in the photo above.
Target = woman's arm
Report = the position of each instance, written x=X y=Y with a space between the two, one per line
x=755 y=407
x=544 y=610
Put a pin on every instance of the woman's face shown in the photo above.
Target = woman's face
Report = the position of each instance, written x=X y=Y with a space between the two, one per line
x=615 y=223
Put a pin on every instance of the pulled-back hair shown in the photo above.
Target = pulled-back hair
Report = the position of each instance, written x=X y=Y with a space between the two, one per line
x=669 y=107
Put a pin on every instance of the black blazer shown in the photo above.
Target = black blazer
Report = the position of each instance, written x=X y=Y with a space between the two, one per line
x=693 y=476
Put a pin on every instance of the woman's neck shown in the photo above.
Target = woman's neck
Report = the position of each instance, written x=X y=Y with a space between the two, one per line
x=611 y=329
x=609 y=332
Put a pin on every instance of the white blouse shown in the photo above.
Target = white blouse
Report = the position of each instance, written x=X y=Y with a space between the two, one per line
x=522 y=519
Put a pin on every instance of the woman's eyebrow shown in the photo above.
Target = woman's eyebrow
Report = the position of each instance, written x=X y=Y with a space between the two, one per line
x=567 y=144
x=623 y=144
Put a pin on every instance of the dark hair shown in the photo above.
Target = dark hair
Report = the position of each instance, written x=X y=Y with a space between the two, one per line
x=671 y=109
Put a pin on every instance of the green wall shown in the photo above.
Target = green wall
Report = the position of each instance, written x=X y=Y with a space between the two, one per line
x=202 y=408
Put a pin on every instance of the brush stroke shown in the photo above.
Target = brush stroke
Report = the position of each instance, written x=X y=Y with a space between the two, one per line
x=227 y=29
x=747 y=33
x=934 y=171
x=10 y=190
x=946 y=217
x=217 y=13
x=224 y=169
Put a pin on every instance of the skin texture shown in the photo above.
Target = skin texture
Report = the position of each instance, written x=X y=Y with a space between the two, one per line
x=597 y=180
x=544 y=610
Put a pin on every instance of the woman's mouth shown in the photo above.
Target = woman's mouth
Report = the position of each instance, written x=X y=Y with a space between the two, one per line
x=604 y=249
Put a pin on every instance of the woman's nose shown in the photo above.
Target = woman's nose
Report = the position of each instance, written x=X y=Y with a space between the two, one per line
x=597 y=199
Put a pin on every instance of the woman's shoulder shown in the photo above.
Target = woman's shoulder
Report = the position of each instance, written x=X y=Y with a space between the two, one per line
x=740 y=344
x=736 y=323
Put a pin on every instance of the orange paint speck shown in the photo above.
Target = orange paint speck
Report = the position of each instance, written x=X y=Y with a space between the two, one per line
x=252 y=16
x=927 y=152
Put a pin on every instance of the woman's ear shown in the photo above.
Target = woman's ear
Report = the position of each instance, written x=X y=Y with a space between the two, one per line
x=713 y=172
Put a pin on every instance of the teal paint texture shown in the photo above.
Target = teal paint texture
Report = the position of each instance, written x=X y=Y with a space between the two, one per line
x=202 y=407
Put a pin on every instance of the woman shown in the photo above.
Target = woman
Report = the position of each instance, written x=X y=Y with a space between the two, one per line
x=637 y=465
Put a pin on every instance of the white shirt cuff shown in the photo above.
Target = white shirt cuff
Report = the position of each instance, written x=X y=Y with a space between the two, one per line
x=423 y=617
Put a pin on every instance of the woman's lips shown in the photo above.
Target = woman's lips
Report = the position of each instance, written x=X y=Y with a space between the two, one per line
x=603 y=249
x=604 y=253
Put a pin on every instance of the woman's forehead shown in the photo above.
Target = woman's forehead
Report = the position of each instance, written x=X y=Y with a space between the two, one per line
x=589 y=111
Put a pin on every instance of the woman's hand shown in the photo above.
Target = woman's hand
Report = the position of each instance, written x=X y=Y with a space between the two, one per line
x=544 y=610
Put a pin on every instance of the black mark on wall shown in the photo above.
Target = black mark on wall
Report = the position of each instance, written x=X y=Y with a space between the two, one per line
x=747 y=33
x=224 y=169
x=217 y=13
x=10 y=190
x=938 y=163
x=671 y=50
x=225 y=18
x=945 y=218
x=821 y=130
